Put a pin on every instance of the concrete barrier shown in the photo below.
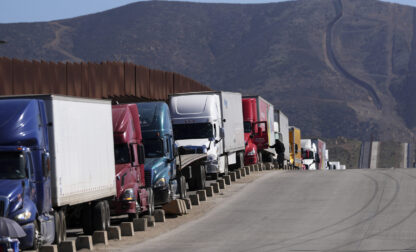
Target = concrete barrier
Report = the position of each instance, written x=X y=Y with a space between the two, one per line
x=227 y=179
x=84 y=242
x=242 y=172
x=173 y=207
x=48 y=248
x=188 y=204
x=210 y=191
x=216 y=187
x=221 y=183
x=127 y=229
x=202 y=195
x=100 y=237
x=267 y=166
x=114 y=233
x=251 y=168
x=67 y=246
x=237 y=174
x=247 y=168
x=260 y=165
x=160 y=214
x=194 y=199
x=140 y=224
x=150 y=220
x=233 y=176
x=184 y=208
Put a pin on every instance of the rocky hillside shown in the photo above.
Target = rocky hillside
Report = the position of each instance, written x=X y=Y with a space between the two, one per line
x=335 y=67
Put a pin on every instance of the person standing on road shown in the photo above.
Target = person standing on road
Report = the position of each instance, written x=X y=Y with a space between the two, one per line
x=280 y=150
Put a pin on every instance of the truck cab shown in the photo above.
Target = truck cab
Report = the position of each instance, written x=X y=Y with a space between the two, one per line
x=310 y=158
x=25 y=185
x=295 y=147
x=132 y=197
x=160 y=151
x=258 y=130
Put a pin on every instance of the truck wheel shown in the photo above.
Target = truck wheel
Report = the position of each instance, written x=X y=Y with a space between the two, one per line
x=36 y=236
x=86 y=219
x=107 y=213
x=63 y=225
x=201 y=178
x=99 y=217
x=182 y=187
x=58 y=228
x=151 y=202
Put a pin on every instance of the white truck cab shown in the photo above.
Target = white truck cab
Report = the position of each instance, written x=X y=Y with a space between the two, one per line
x=211 y=123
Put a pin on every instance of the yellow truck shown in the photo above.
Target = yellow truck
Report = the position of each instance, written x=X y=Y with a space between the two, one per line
x=294 y=148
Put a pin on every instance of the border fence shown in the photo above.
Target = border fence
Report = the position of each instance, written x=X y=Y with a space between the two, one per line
x=108 y=80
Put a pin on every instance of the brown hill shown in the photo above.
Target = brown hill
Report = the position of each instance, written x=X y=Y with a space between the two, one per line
x=336 y=67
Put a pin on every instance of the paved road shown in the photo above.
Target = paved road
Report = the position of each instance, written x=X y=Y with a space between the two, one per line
x=352 y=210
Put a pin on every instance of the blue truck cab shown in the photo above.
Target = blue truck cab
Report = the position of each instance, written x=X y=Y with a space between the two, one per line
x=160 y=151
x=25 y=183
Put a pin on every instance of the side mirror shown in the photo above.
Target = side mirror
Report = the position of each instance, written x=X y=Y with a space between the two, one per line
x=175 y=151
x=222 y=133
x=46 y=164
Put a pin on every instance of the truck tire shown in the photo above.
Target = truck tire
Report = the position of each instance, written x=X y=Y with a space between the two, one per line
x=240 y=159
x=86 y=219
x=182 y=187
x=151 y=202
x=63 y=224
x=135 y=215
x=200 y=178
x=58 y=228
x=36 y=236
x=107 y=212
x=99 y=217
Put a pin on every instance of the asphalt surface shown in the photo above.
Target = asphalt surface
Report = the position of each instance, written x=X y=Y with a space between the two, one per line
x=351 y=210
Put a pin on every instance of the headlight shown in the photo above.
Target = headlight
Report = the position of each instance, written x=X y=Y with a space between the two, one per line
x=161 y=182
x=23 y=216
x=211 y=157
x=128 y=195
x=251 y=153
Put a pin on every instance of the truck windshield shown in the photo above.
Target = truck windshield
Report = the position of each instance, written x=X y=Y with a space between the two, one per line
x=12 y=165
x=121 y=153
x=153 y=148
x=192 y=131
x=247 y=127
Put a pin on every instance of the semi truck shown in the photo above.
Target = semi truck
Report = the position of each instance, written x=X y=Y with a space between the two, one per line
x=295 y=147
x=161 y=171
x=310 y=157
x=282 y=134
x=258 y=130
x=320 y=150
x=335 y=165
x=132 y=195
x=211 y=123
x=56 y=165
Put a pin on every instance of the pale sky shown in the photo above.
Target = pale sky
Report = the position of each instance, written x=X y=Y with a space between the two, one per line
x=14 y=11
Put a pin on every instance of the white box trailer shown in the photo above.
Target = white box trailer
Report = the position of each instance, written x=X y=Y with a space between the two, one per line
x=283 y=123
x=220 y=114
x=81 y=149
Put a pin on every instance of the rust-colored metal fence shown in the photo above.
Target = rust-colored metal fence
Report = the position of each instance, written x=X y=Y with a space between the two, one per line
x=113 y=80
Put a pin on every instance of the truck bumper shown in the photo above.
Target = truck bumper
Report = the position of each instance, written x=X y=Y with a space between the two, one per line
x=119 y=207
x=249 y=160
x=212 y=167
x=27 y=241
x=161 y=195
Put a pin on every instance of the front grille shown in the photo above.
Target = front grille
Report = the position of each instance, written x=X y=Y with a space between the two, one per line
x=2 y=208
x=148 y=178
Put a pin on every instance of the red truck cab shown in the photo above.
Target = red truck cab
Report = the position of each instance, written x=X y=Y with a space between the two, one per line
x=255 y=131
x=132 y=196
